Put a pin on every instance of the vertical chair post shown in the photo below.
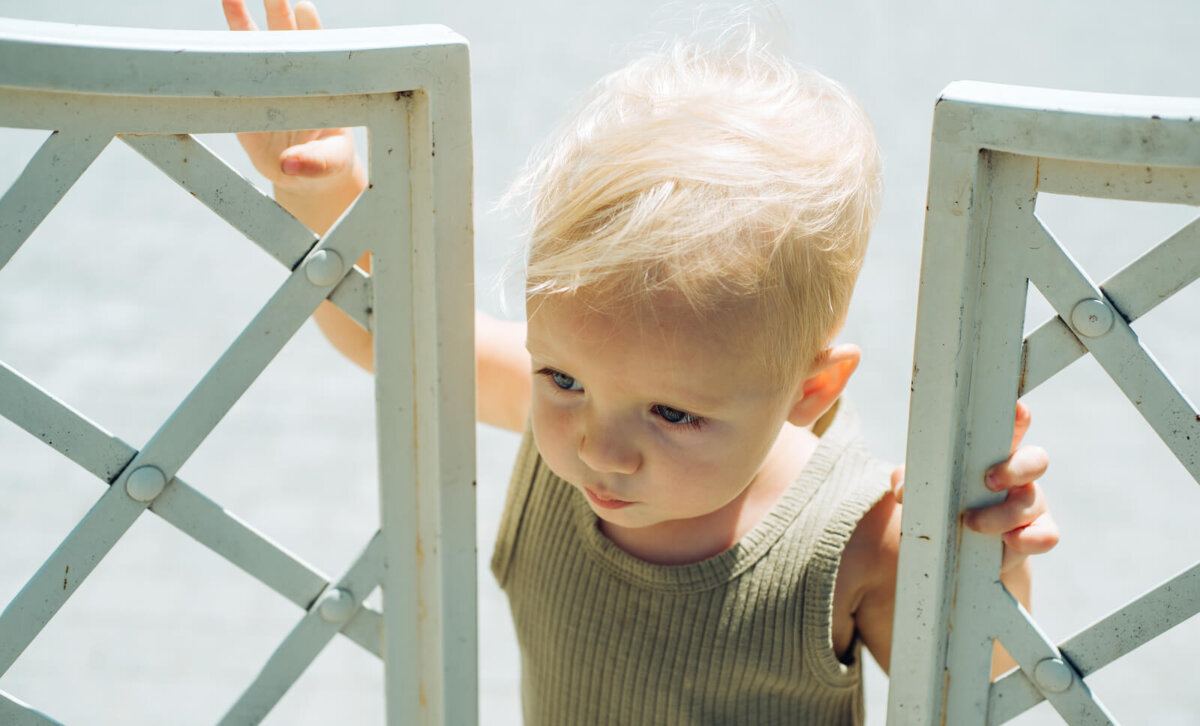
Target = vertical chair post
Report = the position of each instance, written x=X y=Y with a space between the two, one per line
x=424 y=323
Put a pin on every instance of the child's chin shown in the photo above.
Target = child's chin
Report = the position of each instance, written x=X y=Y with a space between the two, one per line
x=634 y=517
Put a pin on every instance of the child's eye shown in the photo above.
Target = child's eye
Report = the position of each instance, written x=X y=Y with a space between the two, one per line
x=562 y=380
x=675 y=416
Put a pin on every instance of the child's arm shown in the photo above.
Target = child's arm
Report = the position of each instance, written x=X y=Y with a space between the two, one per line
x=317 y=174
x=866 y=584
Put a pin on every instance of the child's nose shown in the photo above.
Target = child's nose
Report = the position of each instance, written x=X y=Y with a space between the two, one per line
x=607 y=447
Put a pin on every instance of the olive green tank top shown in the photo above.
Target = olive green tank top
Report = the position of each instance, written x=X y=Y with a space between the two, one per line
x=743 y=637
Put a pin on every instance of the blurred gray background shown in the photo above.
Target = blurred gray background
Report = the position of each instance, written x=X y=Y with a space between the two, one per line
x=130 y=289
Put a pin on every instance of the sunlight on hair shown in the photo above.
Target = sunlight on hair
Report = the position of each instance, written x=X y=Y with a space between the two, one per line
x=718 y=171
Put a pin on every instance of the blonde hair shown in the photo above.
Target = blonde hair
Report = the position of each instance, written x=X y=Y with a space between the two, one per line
x=721 y=174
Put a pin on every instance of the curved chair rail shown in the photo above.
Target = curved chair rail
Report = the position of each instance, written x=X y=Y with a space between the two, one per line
x=203 y=63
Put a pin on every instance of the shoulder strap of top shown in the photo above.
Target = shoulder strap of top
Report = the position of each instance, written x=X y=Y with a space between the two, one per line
x=853 y=487
x=519 y=488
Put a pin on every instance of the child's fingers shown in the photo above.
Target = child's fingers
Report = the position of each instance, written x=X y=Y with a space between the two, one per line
x=1021 y=424
x=306 y=16
x=898 y=484
x=1041 y=535
x=320 y=157
x=1022 y=507
x=236 y=15
x=1027 y=464
x=279 y=15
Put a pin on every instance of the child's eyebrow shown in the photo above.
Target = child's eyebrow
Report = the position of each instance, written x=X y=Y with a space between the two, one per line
x=540 y=346
x=692 y=401
x=540 y=353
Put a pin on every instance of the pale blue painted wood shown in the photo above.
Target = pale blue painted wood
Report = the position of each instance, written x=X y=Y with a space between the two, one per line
x=1119 y=352
x=61 y=427
x=152 y=88
x=1030 y=646
x=62 y=573
x=50 y=173
x=223 y=190
x=18 y=713
x=1134 y=291
x=1131 y=626
x=305 y=641
x=219 y=64
x=994 y=147
x=206 y=521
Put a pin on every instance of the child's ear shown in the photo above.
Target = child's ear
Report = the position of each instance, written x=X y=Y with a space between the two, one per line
x=824 y=383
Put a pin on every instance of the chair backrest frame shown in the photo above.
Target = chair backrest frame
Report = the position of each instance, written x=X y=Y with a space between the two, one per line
x=994 y=149
x=409 y=86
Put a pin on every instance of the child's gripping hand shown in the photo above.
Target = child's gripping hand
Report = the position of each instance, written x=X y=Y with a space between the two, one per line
x=1023 y=518
x=301 y=163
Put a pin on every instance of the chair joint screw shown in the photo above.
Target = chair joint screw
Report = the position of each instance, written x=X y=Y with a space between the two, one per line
x=1091 y=318
x=337 y=605
x=1053 y=675
x=324 y=268
x=145 y=484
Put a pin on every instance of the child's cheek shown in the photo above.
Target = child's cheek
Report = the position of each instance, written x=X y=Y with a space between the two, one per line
x=552 y=433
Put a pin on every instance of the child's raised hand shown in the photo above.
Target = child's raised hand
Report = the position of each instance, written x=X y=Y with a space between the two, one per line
x=1023 y=518
x=301 y=163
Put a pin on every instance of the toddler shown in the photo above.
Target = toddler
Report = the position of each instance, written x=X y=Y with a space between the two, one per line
x=694 y=531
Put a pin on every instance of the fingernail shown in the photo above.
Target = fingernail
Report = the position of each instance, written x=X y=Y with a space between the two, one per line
x=290 y=165
x=991 y=481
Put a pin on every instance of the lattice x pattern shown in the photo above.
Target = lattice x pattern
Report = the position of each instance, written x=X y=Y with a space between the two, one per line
x=409 y=87
x=994 y=149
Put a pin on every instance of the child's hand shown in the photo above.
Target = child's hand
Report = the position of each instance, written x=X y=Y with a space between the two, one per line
x=1023 y=518
x=302 y=163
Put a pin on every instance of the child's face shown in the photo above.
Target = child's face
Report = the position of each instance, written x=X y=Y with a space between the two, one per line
x=669 y=420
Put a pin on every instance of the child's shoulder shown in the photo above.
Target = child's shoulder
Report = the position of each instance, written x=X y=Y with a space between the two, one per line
x=864 y=592
x=869 y=560
x=866 y=569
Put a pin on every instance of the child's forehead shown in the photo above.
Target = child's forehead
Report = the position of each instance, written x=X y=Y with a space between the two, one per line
x=670 y=350
x=665 y=317
x=727 y=337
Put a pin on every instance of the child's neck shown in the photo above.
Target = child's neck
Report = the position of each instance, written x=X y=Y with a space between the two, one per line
x=684 y=541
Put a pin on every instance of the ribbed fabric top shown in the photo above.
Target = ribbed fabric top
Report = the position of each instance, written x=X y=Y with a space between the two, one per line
x=744 y=637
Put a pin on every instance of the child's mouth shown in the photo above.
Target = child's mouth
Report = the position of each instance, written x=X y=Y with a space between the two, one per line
x=605 y=503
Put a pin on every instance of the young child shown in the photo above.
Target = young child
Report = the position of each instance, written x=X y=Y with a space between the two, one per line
x=694 y=531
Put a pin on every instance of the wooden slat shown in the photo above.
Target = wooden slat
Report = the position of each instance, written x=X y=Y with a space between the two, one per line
x=1129 y=182
x=222 y=189
x=15 y=713
x=1118 y=633
x=61 y=427
x=60 y=576
x=353 y=295
x=248 y=356
x=182 y=505
x=1028 y=646
x=1135 y=290
x=304 y=643
x=56 y=166
x=1126 y=361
